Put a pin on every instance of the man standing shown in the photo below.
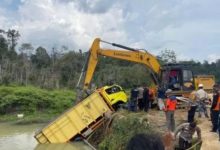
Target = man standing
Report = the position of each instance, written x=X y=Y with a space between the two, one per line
x=140 y=98
x=215 y=108
x=201 y=97
x=192 y=107
x=161 y=97
x=133 y=99
x=186 y=132
x=146 y=99
x=170 y=108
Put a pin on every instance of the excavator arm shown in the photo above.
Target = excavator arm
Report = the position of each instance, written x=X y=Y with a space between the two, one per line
x=128 y=54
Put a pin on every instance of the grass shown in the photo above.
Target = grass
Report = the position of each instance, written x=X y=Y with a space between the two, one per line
x=37 y=105
x=124 y=126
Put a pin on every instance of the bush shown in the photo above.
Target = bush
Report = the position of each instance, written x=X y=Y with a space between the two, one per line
x=18 y=99
x=124 y=126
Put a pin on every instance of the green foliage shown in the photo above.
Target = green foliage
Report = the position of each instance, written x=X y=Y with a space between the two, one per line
x=168 y=56
x=17 y=99
x=125 y=126
x=3 y=47
x=70 y=66
x=26 y=48
x=204 y=68
x=124 y=75
x=41 y=58
x=62 y=69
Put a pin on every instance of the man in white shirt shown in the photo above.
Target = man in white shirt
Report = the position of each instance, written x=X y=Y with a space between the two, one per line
x=201 y=96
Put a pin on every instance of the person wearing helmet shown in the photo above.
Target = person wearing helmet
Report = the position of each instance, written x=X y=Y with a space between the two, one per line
x=201 y=96
x=186 y=132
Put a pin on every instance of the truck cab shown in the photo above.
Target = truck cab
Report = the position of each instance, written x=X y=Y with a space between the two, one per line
x=114 y=94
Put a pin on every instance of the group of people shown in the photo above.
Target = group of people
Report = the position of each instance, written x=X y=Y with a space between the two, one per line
x=168 y=103
x=140 y=99
x=198 y=102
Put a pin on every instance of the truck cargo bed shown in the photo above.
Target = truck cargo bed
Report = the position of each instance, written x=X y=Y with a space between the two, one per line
x=80 y=120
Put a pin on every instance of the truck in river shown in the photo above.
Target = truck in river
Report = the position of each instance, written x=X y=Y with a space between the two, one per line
x=83 y=118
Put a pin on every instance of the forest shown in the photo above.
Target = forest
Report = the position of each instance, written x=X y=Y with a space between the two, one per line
x=60 y=67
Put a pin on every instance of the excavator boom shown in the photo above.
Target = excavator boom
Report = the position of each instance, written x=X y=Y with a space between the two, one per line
x=128 y=54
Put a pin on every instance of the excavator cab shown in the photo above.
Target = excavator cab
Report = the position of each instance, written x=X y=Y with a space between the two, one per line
x=177 y=77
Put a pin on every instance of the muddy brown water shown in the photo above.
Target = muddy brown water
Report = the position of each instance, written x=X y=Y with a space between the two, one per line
x=21 y=137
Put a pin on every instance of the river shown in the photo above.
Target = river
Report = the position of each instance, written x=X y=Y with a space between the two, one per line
x=21 y=137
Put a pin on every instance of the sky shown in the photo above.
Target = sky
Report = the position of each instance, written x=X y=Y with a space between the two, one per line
x=189 y=27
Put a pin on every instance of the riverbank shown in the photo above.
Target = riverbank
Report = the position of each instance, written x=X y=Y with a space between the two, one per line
x=28 y=104
x=28 y=119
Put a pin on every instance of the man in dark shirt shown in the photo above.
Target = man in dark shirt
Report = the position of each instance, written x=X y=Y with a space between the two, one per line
x=215 y=109
x=192 y=107
x=133 y=99
x=161 y=97
x=140 y=98
x=146 y=99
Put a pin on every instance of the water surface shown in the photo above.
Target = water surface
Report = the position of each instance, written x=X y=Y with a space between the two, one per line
x=21 y=137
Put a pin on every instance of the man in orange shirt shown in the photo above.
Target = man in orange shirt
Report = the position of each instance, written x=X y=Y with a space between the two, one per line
x=170 y=108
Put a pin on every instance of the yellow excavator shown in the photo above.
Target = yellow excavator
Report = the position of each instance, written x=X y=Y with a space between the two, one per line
x=170 y=76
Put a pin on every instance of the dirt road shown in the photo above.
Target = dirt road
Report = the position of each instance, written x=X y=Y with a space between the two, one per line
x=210 y=139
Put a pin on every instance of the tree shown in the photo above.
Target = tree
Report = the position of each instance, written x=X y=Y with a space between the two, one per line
x=2 y=31
x=3 y=47
x=26 y=48
x=218 y=63
x=168 y=56
x=13 y=37
x=25 y=65
x=41 y=59
x=41 y=73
